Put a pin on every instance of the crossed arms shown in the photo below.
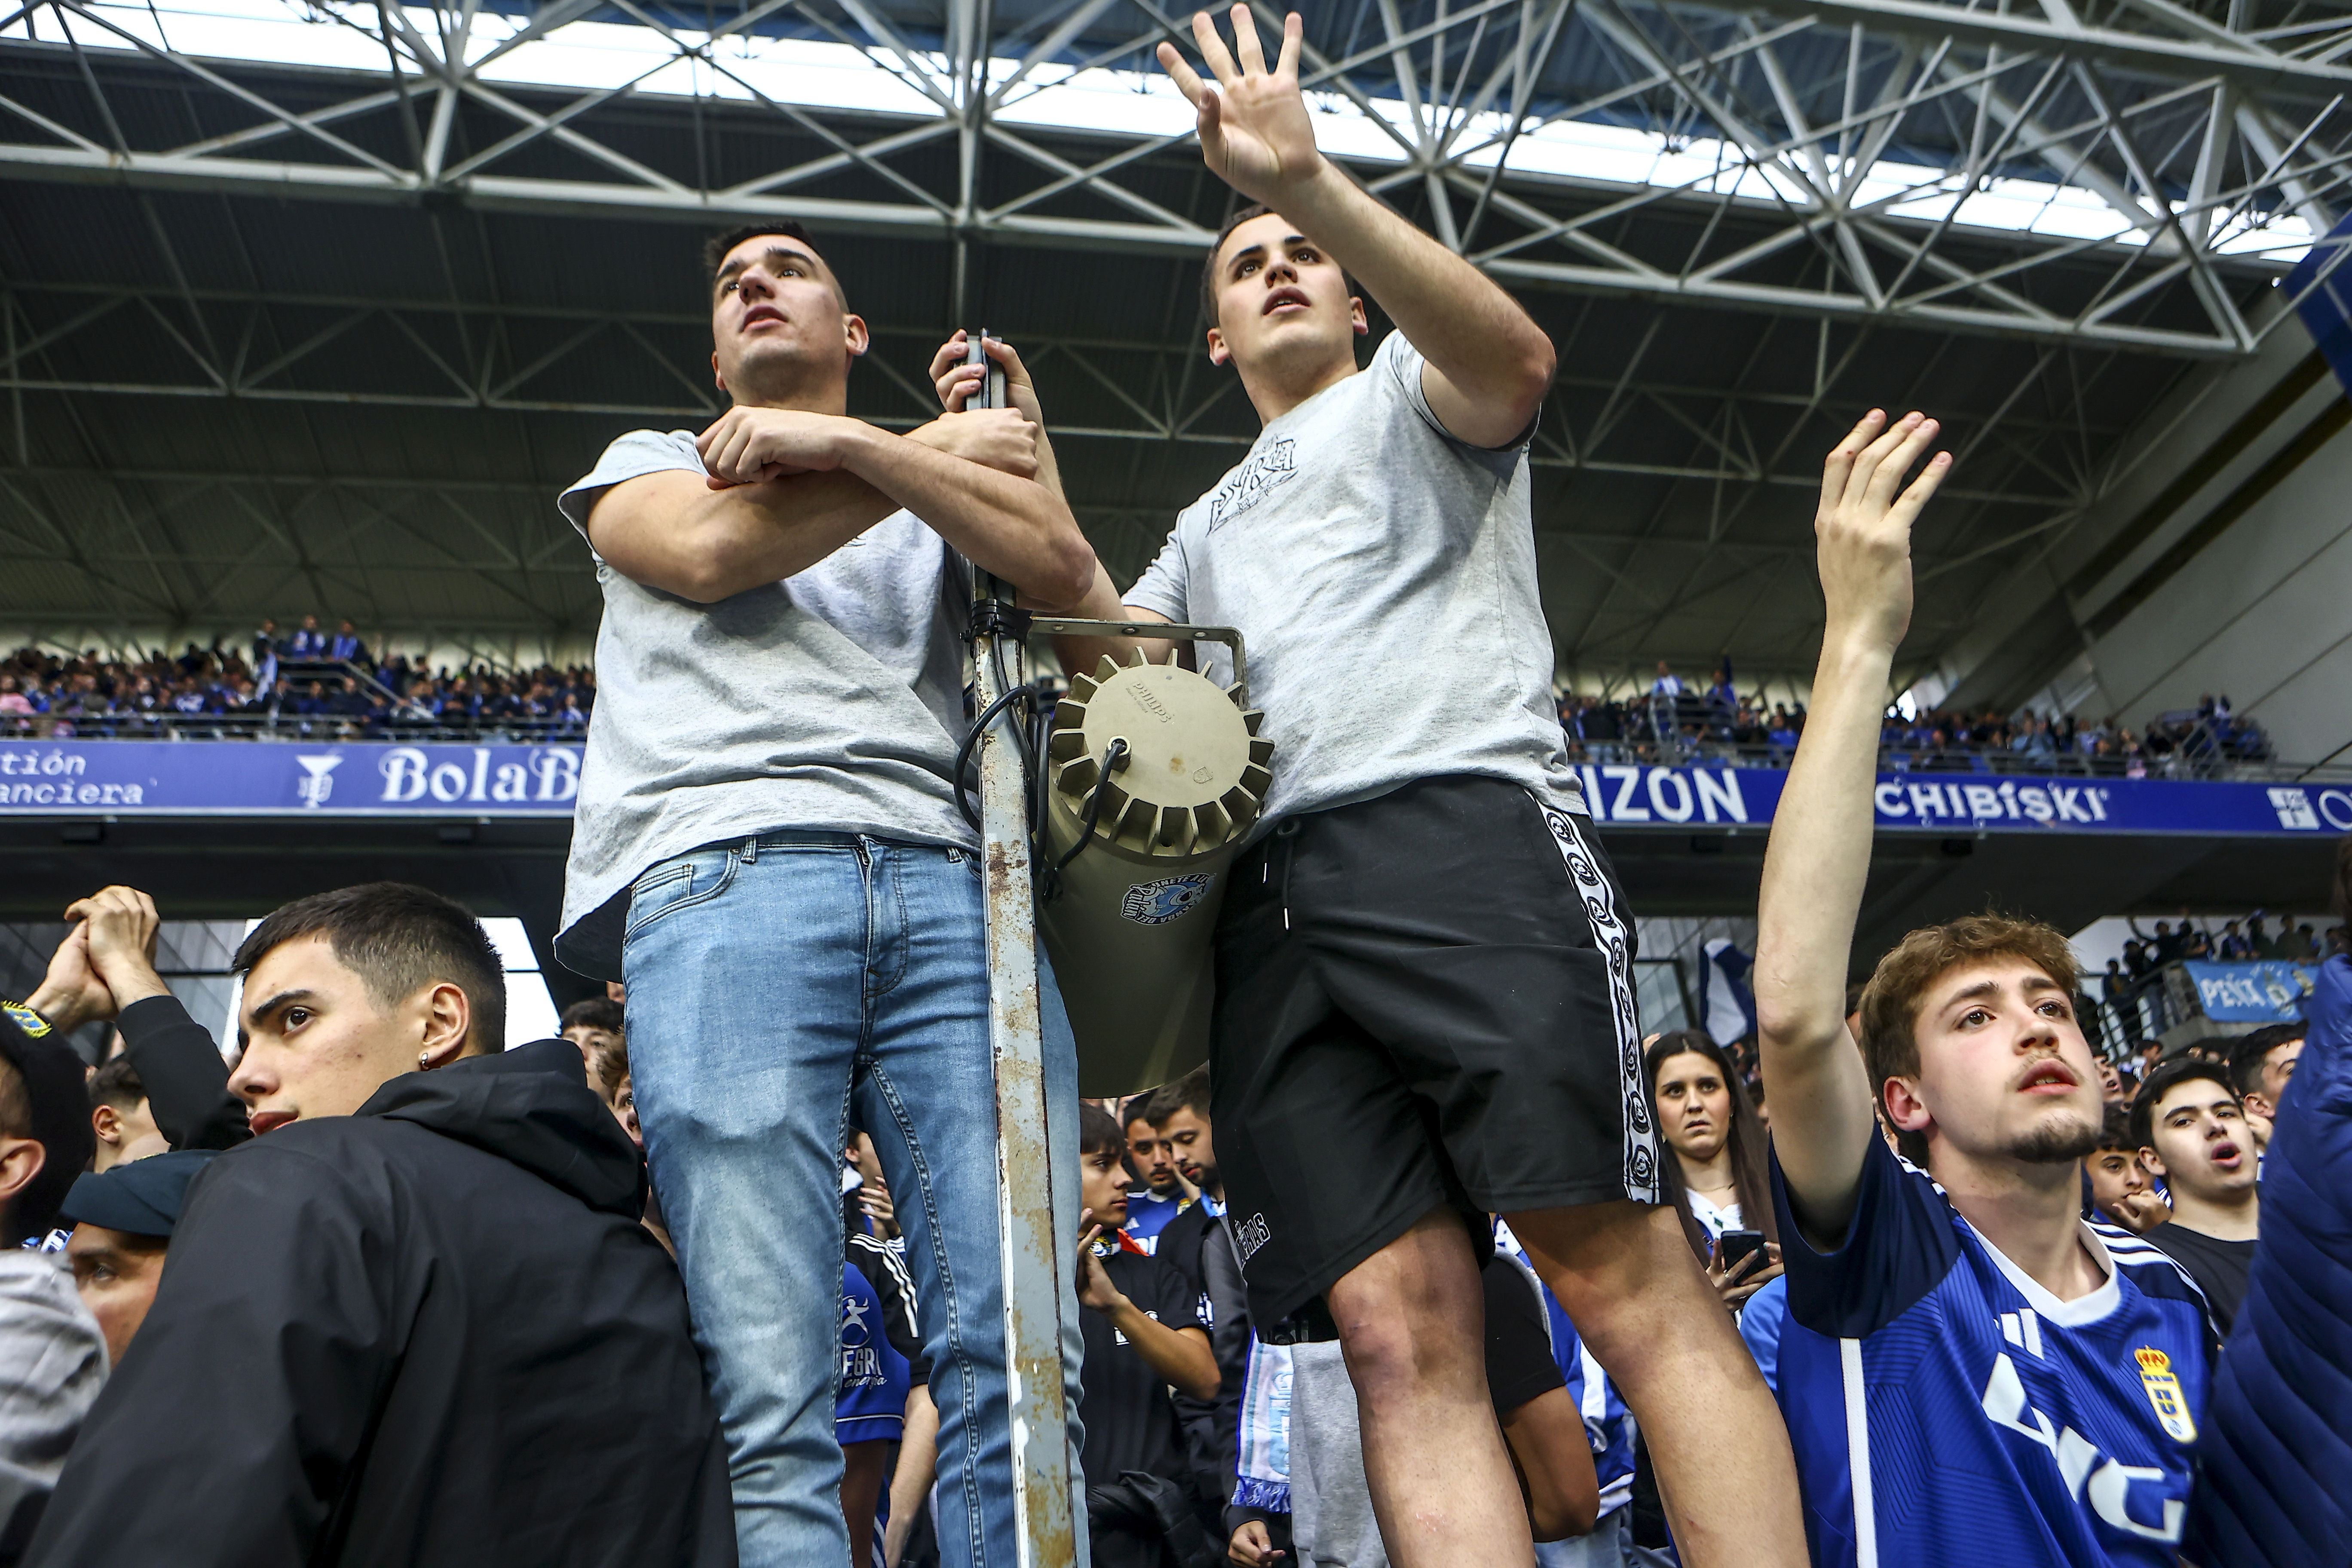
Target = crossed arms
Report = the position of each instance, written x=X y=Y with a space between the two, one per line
x=783 y=488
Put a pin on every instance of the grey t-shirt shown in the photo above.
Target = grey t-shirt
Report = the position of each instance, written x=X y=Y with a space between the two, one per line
x=830 y=700
x=1382 y=576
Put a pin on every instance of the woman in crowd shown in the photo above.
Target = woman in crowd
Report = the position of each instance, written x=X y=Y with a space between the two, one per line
x=1716 y=1177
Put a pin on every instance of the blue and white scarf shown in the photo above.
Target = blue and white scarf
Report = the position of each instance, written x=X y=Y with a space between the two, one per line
x=1261 y=1476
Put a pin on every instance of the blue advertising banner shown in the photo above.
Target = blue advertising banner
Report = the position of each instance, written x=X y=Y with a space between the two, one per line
x=1629 y=794
x=253 y=778
x=2266 y=993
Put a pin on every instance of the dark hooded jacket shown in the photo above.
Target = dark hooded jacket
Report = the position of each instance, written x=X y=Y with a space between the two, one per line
x=430 y=1333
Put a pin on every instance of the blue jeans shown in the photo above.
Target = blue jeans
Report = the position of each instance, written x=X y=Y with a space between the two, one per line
x=779 y=989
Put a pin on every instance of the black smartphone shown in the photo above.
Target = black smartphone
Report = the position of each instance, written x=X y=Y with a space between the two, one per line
x=1733 y=1245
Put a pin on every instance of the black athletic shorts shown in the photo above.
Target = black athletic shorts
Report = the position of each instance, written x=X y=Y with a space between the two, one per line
x=1423 y=999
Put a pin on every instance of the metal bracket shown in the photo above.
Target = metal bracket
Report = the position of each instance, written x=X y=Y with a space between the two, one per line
x=1162 y=631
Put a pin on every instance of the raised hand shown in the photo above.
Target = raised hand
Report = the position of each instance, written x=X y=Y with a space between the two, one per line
x=122 y=923
x=1255 y=134
x=1095 y=1288
x=1864 y=527
x=71 y=994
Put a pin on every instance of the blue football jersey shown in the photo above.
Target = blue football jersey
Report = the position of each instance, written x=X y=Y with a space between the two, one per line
x=1946 y=1410
x=1147 y=1217
x=871 y=1403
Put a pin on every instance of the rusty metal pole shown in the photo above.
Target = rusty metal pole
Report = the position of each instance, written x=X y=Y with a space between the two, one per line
x=1024 y=1151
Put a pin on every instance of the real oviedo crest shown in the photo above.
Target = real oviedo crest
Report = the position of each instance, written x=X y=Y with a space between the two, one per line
x=1157 y=903
x=2164 y=1393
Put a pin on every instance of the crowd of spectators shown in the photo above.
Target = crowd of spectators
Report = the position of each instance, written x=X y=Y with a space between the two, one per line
x=1199 y=1433
x=1676 y=721
x=304 y=685
x=311 y=684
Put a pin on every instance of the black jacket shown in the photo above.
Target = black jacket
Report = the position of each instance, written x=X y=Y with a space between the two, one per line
x=1200 y=1247
x=430 y=1333
x=185 y=1079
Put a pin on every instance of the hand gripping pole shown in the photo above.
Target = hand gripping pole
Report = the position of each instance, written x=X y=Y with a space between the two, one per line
x=1024 y=1150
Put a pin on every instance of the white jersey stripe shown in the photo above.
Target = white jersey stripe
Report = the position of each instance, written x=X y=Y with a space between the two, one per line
x=1857 y=1449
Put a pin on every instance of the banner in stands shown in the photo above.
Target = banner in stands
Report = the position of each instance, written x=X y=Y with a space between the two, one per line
x=2266 y=993
x=1629 y=794
x=255 y=778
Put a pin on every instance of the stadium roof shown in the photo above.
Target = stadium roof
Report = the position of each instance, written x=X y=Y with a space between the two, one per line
x=316 y=306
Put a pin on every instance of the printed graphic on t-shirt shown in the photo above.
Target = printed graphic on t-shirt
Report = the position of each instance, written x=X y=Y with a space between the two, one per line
x=861 y=1363
x=1252 y=481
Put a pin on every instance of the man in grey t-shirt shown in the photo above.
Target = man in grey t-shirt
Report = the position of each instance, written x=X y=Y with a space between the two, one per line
x=1425 y=944
x=767 y=848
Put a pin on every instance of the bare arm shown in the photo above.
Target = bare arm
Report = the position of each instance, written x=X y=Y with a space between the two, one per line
x=911 y=1483
x=786 y=489
x=956 y=381
x=1180 y=1356
x=1818 y=854
x=1554 y=1457
x=1489 y=364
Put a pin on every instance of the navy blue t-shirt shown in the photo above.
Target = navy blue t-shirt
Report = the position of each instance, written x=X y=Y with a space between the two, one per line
x=1947 y=1412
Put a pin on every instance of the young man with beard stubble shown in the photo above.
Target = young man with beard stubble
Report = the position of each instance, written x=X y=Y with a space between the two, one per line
x=1424 y=943
x=1969 y=1369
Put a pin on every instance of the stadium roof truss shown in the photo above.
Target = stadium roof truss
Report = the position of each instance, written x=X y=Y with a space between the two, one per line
x=2109 y=173
x=2033 y=218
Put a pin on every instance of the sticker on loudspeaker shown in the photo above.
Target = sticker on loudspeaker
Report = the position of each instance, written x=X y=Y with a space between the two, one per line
x=1157 y=903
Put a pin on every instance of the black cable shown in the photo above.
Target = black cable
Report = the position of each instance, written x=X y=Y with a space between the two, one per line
x=1049 y=886
x=971 y=740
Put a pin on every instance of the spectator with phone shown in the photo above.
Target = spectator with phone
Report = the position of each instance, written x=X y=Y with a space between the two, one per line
x=1716 y=1178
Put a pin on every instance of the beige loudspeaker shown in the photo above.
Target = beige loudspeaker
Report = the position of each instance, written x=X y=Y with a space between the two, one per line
x=1129 y=916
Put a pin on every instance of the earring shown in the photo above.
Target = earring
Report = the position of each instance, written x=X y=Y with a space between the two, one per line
x=424 y=1060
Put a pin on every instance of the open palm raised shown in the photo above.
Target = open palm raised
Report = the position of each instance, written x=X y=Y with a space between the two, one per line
x=1254 y=131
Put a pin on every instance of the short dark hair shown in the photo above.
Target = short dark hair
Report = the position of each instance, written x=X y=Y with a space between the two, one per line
x=1190 y=1092
x=2115 y=1130
x=1136 y=1108
x=2162 y=1079
x=612 y=1066
x=715 y=249
x=398 y=938
x=1248 y=212
x=1099 y=1129
x=592 y=1013
x=2248 y=1051
x=116 y=1083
